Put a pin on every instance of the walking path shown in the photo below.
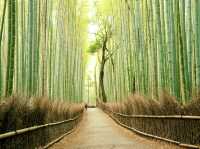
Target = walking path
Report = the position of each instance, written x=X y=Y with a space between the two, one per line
x=98 y=131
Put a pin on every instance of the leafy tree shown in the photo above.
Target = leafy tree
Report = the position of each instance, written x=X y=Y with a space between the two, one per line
x=102 y=38
x=94 y=47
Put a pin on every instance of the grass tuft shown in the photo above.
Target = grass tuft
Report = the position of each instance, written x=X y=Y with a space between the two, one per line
x=169 y=104
x=193 y=107
x=18 y=112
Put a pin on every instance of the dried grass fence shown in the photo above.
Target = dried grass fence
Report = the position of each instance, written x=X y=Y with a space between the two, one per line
x=38 y=136
x=177 y=129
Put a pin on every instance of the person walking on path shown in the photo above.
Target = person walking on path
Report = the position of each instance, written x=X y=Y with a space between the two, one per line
x=86 y=106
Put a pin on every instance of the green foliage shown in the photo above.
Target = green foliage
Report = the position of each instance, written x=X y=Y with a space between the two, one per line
x=94 y=47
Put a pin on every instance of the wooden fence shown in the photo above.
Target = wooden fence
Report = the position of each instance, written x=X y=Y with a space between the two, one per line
x=38 y=136
x=176 y=129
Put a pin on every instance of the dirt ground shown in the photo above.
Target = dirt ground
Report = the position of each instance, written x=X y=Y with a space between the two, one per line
x=98 y=131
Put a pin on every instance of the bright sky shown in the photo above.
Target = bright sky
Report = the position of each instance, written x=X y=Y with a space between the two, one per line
x=92 y=58
x=92 y=29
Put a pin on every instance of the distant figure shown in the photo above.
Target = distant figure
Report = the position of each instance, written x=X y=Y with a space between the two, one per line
x=86 y=106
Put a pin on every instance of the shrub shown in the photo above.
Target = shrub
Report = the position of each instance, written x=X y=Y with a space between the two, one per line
x=19 y=112
x=169 y=104
x=193 y=107
x=139 y=105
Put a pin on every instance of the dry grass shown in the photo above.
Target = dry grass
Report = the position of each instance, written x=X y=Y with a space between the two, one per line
x=18 y=112
x=193 y=107
x=166 y=105
x=185 y=131
x=169 y=104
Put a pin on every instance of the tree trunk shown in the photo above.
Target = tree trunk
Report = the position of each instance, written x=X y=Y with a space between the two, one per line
x=101 y=83
x=101 y=76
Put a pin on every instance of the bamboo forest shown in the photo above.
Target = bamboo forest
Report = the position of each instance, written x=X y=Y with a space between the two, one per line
x=100 y=74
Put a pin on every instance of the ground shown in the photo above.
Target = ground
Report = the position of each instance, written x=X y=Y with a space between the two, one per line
x=98 y=131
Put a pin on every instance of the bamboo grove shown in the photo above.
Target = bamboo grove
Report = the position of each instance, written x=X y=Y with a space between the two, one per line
x=155 y=46
x=41 y=44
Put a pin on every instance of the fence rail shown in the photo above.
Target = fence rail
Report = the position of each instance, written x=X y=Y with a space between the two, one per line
x=177 y=129
x=37 y=136
x=158 y=116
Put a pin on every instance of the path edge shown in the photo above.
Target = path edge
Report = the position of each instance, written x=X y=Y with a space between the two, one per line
x=187 y=146
x=61 y=137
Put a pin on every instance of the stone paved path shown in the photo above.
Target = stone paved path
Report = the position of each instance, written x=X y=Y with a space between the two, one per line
x=98 y=131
